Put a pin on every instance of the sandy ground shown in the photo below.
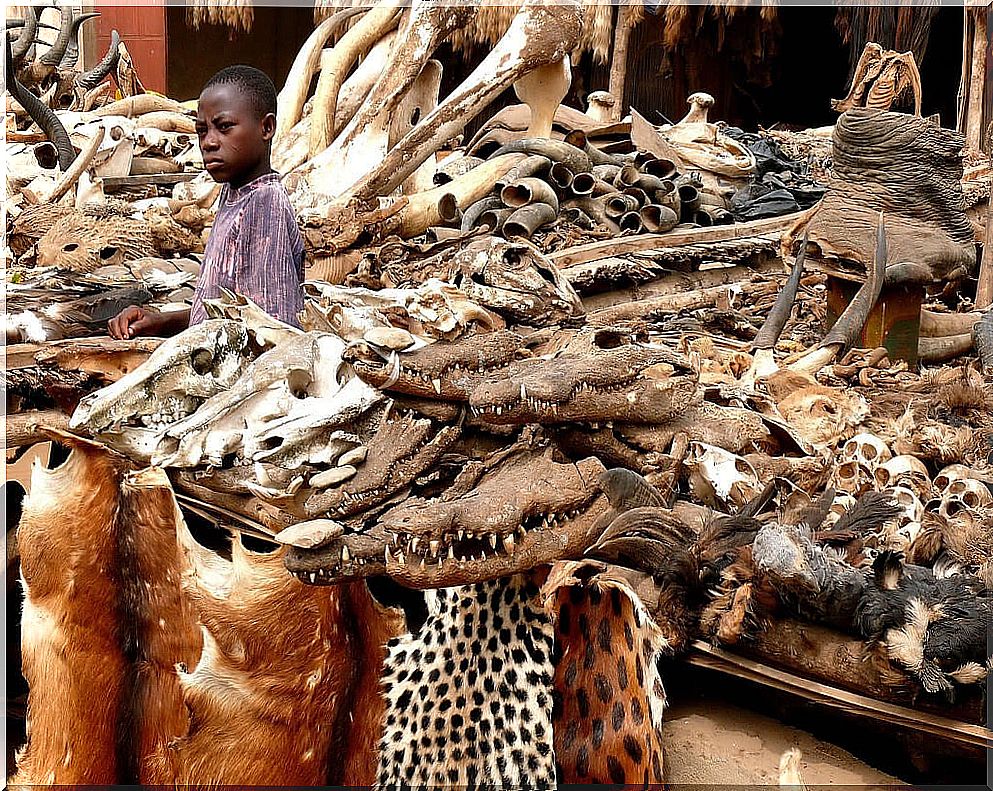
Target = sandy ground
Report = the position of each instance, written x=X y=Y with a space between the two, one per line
x=718 y=744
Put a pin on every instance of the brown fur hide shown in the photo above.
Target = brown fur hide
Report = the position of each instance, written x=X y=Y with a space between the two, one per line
x=71 y=651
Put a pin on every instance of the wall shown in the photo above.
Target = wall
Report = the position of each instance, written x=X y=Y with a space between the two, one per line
x=196 y=54
x=143 y=30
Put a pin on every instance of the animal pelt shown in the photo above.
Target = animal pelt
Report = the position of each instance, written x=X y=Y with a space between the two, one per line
x=469 y=698
x=72 y=655
x=267 y=693
x=608 y=688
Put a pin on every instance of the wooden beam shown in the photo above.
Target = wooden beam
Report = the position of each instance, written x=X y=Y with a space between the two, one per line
x=984 y=288
x=659 y=241
x=116 y=182
x=27 y=428
x=977 y=80
x=705 y=655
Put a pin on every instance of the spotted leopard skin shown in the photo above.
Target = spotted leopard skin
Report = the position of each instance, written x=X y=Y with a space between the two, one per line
x=469 y=698
x=609 y=698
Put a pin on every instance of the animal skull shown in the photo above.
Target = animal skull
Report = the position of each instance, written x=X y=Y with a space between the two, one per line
x=948 y=475
x=719 y=478
x=964 y=494
x=852 y=477
x=173 y=382
x=908 y=524
x=905 y=470
x=867 y=449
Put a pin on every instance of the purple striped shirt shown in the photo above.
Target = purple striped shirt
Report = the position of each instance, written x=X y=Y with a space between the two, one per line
x=254 y=249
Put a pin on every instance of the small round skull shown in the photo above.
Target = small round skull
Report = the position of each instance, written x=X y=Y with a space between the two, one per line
x=852 y=477
x=964 y=494
x=905 y=470
x=867 y=449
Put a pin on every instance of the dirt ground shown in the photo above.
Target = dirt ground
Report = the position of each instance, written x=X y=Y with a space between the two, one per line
x=714 y=743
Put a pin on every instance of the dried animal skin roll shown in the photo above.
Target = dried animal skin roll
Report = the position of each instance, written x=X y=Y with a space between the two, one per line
x=528 y=219
x=531 y=166
x=619 y=204
x=982 y=336
x=494 y=218
x=588 y=184
x=560 y=176
x=631 y=221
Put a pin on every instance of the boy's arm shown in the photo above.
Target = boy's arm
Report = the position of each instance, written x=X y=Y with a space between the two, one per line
x=270 y=257
x=134 y=321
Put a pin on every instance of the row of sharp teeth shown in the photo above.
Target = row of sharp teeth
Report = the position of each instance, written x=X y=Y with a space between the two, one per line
x=413 y=549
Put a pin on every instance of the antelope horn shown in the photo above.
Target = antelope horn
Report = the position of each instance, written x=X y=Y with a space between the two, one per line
x=471 y=215
x=56 y=52
x=70 y=176
x=849 y=324
x=290 y=101
x=92 y=78
x=577 y=138
x=540 y=33
x=26 y=39
x=44 y=116
x=72 y=50
x=772 y=327
x=528 y=219
x=529 y=190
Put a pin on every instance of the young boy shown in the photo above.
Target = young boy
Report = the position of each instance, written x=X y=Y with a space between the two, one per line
x=255 y=247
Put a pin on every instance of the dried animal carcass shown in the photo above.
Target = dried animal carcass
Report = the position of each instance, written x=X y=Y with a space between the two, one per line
x=82 y=243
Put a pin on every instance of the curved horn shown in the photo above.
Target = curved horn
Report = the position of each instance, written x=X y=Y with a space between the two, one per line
x=98 y=73
x=772 y=327
x=577 y=160
x=55 y=54
x=471 y=214
x=849 y=324
x=290 y=101
x=44 y=116
x=26 y=39
x=72 y=51
x=577 y=138
x=528 y=219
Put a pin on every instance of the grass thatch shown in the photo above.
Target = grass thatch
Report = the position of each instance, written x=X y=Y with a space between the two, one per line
x=235 y=14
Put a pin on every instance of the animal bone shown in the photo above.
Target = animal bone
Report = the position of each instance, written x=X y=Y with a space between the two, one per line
x=950 y=474
x=852 y=477
x=867 y=449
x=904 y=470
x=540 y=33
x=964 y=494
x=182 y=373
x=718 y=478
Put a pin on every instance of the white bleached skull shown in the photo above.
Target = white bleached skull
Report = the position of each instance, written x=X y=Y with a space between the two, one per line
x=965 y=494
x=301 y=379
x=852 y=477
x=180 y=375
x=867 y=449
x=905 y=470
x=719 y=478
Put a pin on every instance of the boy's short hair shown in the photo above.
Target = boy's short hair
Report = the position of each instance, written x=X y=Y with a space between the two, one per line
x=255 y=84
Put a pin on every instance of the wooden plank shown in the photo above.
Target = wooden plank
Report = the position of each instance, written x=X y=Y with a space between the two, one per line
x=659 y=241
x=116 y=182
x=705 y=655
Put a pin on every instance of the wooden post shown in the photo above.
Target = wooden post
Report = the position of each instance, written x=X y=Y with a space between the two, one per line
x=619 y=58
x=895 y=321
x=977 y=81
x=984 y=288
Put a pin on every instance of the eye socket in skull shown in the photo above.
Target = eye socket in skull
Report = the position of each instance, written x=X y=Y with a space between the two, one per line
x=202 y=361
x=949 y=474
x=867 y=449
x=298 y=381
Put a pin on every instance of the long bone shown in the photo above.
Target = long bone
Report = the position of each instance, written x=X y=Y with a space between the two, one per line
x=365 y=139
x=541 y=33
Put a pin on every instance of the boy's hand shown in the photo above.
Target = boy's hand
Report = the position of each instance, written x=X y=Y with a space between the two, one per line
x=133 y=321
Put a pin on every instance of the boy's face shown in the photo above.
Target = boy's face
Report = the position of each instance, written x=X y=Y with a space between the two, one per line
x=234 y=141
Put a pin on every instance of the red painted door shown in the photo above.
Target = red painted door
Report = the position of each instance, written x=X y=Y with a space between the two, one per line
x=143 y=30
